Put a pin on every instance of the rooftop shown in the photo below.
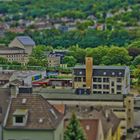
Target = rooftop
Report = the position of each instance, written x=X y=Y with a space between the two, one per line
x=114 y=71
x=5 y=76
x=108 y=119
x=101 y=67
x=24 y=74
x=38 y=109
x=73 y=97
x=20 y=112
x=26 y=40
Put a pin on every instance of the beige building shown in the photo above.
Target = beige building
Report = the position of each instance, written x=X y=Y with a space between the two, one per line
x=23 y=42
x=103 y=79
x=14 y=54
x=54 y=60
x=19 y=49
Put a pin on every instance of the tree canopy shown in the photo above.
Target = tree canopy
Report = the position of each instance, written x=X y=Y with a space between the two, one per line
x=74 y=130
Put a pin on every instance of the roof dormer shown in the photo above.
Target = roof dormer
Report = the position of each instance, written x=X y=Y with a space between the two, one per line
x=20 y=117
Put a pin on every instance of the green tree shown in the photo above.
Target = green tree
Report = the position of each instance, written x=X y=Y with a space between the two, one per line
x=78 y=53
x=116 y=55
x=3 y=60
x=40 y=52
x=69 y=60
x=136 y=61
x=15 y=63
x=39 y=56
x=37 y=62
x=135 y=44
x=97 y=53
x=74 y=130
x=137 y=75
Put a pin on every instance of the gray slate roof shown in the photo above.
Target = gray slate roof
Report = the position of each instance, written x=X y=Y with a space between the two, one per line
x=118 y=71
x=26 y=40
x=101 y=67
x=38 y=108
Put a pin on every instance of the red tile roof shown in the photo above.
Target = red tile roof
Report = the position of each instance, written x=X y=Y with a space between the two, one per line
x=60 y=108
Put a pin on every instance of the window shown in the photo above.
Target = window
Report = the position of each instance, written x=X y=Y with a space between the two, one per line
x=99 y=79
x=99 y=86
x=123 y=127
x=95 y=86
x=119 y=80
x=112 y=83
x=105 y=92
x=119 y=110
x=79 y=79
x=84 y=79
x=118 y=92
x=94 y=79
x=19 y=119
x=119 y=87
x=105 y=79
x=112 y=90
x=122 y=119
x=106 y=86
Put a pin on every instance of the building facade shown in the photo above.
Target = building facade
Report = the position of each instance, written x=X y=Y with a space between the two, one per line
x=19 y=49
x=31 y=117
x=14 y=54
x=98 y=123
x=103 y=79
x=54 y=60
x=121 y=105
x=23 y=42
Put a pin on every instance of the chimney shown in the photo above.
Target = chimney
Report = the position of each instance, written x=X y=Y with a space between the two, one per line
x=89 y=64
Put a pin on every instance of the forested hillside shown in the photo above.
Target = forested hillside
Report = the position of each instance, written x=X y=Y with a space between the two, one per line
x=88 y=23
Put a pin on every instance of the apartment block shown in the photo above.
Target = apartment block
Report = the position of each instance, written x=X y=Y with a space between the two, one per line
x=14 y=54
x=105 y=79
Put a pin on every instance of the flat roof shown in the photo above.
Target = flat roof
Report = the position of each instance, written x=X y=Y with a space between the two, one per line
x=101 y=67
x=75 y=97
